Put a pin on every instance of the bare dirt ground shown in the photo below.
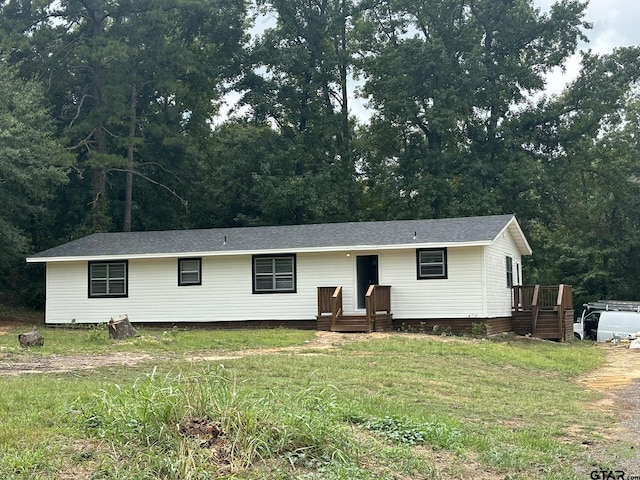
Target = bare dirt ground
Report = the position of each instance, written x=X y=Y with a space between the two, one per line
x=69 y=363
x=619 y=381
x=620 y=371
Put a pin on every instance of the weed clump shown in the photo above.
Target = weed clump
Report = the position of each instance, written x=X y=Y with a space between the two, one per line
x=438 y=434
x=193 y=423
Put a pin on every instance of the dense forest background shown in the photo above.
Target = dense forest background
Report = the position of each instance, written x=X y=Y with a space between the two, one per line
x=110 y=121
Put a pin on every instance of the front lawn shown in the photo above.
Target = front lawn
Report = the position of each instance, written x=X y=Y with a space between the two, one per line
x=285 y=405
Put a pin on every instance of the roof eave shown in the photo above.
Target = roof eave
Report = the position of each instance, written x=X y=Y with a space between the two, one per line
x=518 y=235
x=272 y=251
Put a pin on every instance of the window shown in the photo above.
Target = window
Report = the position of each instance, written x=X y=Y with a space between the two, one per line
x=189 y=271
x=108 y=279
x=274 y=274
x=432 y=263
x=509 y=272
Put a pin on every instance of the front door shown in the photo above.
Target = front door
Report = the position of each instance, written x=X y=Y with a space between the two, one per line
x=367 y=274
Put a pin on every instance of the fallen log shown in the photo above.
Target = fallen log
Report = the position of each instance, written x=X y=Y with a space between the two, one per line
x=120 y=328
x=31 y=339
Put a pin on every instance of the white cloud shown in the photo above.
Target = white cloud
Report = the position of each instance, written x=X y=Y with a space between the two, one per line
x=615 y=24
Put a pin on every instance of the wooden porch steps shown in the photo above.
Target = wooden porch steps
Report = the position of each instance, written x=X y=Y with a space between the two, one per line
x=378 y=316
x=543 y=311
x=350 y=323
x=548 y=326
x=354 y=323
x=344 y=323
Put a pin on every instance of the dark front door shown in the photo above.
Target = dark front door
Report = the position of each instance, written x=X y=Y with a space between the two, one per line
x=367 y=272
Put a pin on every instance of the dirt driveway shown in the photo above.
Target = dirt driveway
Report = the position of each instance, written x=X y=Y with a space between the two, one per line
x=615 y=379
x=619 y=381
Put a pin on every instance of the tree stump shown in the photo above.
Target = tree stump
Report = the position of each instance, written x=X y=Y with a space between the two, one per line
x=31 y=339
x=120 y=328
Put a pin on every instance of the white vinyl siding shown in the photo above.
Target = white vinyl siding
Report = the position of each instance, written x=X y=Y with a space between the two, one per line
x=226 y=293
x=457 y=296
x=498 y=294
x=474 y=287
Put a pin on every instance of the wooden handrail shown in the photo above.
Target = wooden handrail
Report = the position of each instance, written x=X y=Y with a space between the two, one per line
x=547 y=297
x=377 y=299
x=536 y=298
x=336 y=306
x=564 y=302
x=324 y=300
x=370 y=305
x=535 y=308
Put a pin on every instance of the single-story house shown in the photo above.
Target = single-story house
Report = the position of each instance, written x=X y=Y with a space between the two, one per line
x=451 y=272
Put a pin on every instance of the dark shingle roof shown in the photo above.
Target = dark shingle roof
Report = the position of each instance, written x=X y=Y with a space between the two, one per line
x=289 y=237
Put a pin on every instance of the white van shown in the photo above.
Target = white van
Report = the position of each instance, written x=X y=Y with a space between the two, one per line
x=586 y=327
x=618 y=324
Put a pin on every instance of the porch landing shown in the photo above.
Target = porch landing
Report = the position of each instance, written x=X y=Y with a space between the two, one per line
x=377 y=316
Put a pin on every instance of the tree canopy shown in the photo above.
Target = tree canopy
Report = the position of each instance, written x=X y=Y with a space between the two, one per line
x=129 y=94
x=32 y=164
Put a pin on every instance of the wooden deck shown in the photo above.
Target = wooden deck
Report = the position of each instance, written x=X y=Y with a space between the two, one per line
x=543 y=311
x=540 y=311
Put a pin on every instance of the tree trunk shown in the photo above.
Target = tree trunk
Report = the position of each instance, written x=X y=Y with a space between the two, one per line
x=133 y=121
x=120 y=328
x=99 y=185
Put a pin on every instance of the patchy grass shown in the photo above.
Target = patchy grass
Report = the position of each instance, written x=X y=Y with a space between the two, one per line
x=392 y=407
x=95 y=340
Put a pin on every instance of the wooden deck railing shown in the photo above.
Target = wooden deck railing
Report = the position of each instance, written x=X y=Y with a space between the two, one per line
x=536 y=298
x=546 y=297
x=324 y=299
x=377 y=303
x=336 y=306
x=377 y=299
x=564 y=303
x=330 y=302
x=535 y=306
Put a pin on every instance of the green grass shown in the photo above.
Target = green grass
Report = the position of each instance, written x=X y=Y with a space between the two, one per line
x=403 y=406
x=95 y=340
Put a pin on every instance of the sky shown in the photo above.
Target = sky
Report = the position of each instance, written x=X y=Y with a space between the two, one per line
x=616 y=23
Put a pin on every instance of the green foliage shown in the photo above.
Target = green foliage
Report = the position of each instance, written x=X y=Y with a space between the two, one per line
x=479 y=329
x=160 y=412
x=132 y=93
x=410 y=329
x=441 y=330
x=32 y=165
x=457 y=143
x=437 y=434
x=129 y=85
x=588 y=239
x=303 y=91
